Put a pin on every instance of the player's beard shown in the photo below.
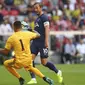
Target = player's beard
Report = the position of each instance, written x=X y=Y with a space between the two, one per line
x=38 y=13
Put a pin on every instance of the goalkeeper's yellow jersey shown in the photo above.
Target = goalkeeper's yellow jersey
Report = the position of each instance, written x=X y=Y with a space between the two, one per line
x=20 y=43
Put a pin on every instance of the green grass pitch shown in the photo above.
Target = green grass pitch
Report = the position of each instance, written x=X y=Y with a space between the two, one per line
x=73 y=74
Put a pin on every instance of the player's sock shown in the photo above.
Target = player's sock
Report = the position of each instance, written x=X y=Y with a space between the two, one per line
x=37 y=72
x=21 y=80
x=32 y=74
x=52 y=67
x=48 y=80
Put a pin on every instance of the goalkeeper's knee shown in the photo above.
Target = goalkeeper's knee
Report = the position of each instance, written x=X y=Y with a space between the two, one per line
x=6 y=63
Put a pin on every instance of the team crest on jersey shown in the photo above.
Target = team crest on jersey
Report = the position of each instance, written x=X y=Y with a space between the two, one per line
x=45 y=51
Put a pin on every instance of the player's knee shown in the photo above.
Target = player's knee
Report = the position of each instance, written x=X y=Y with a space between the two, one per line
x=43 y=63
x=5 y=63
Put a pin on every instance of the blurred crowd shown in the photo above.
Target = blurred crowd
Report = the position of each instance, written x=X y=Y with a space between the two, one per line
x=64 y=15
x=69 y=50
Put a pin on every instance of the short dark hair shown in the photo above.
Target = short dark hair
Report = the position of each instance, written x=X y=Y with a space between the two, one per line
x=40 y=4
x=17 y=25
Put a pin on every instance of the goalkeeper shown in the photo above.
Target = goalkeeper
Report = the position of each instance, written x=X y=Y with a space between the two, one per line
x=20 y=43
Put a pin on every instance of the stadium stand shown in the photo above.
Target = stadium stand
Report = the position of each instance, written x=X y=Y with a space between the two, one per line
x=64 y=15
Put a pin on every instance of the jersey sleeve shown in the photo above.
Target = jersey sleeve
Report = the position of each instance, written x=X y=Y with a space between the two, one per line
x=32 y=35
x=45 y=20
x=8 y=45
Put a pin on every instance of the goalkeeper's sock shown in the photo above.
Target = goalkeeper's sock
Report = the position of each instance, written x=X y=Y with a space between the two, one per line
x=21 y=80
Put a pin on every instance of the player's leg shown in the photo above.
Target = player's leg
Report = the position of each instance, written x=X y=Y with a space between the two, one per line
x=33 y=78
x=32 y=75
x=38 y=73
x=34 y=52
x=9 y=66
x=51 y=66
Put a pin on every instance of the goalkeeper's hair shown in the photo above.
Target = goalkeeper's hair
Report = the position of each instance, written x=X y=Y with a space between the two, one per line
x=17 y=25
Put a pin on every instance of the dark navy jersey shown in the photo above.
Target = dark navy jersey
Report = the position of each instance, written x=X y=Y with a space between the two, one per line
x=40 y=22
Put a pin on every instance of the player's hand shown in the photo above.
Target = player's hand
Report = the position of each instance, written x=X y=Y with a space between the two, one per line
x=25 y=26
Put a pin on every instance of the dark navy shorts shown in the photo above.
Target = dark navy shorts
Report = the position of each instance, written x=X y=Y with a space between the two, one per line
x=39 y=47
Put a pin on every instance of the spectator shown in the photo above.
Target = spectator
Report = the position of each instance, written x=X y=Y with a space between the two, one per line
x=76 y=14
x=13 y=12
x=23 y=8
x=4 y=12
x=68 y=11
x=18 y=2
x=80 y=47
x=72 y=4
x=62 y=23
x=5 y=28
x=64 y=15
x=9 y=2
x=69 y=51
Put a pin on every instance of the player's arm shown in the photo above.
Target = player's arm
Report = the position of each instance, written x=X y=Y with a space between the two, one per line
x=34 y=35
x=37 y=34
x=4 y=51
x=46 y=25
x=7 y=48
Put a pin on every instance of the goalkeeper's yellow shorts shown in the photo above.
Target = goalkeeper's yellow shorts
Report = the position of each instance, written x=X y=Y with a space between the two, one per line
x=18 y=64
